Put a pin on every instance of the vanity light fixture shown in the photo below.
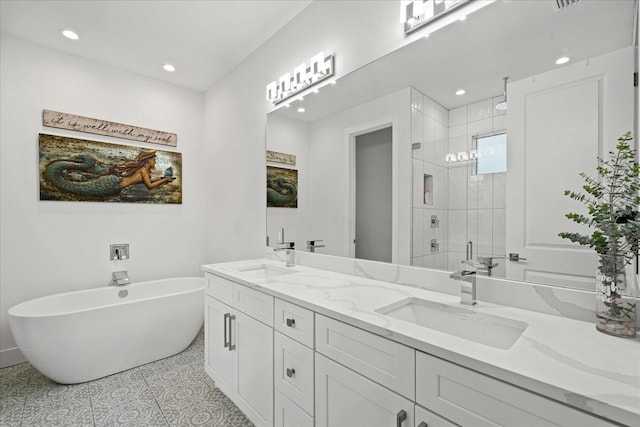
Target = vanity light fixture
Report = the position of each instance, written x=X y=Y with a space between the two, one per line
x=168 y=67
x=71 y=35
x=460 y=92
x=320 y=68
x=562 y=60
x=437 y=14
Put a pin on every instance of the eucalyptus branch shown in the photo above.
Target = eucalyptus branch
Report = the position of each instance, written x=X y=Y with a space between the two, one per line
x=612 y=200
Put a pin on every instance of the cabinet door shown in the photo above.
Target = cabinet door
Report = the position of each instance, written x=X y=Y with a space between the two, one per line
x=345 y=398
x=253 y=368
x=218 y=358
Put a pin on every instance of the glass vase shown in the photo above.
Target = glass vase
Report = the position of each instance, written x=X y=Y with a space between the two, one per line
x=616 y=291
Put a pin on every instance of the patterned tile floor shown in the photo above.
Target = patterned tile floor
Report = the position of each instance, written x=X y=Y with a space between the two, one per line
x=170 y=392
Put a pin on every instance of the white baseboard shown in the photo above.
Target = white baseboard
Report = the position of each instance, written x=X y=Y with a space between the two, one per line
x=11 y=356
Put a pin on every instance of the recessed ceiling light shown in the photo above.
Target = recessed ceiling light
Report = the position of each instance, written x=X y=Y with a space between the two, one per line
x=462 y=18
x=301 y=110
x=562 y=60
x=70 y=35
x=168 y=67
x=426 y=36
x=287 y=105
x=460 y=92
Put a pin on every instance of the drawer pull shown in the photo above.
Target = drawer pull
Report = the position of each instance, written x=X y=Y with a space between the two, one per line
x=423 y=424
x=291 y=323
x=291 y=372
x=231 y=346
x=226 y=338
x=401 y=417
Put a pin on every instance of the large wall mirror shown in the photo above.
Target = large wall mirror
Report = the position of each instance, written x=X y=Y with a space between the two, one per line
x=392 y=165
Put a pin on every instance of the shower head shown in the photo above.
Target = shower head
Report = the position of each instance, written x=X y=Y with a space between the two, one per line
x=502 y=105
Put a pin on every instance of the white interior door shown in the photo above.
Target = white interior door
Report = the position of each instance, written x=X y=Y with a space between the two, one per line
x=558 y=123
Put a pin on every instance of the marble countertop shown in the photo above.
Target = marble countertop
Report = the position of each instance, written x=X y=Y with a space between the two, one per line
x=565 y=359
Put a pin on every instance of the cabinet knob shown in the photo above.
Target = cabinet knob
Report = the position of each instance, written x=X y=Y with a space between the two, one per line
x=291 y=372
x=401 y=417
x=291 y=322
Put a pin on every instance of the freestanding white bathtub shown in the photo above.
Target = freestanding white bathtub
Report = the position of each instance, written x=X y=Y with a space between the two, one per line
x=79 y=336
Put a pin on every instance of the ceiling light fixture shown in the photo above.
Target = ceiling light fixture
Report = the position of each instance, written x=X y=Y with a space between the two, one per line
x=460 y=92
x=562 y=60
x=71 y=35
x=168 y=67
x=301 y=110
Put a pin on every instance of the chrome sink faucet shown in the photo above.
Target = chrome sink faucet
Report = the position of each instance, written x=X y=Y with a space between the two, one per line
x=120 y=278
x=468 y=286
x=289 y=248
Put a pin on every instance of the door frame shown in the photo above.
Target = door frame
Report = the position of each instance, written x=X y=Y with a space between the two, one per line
x=350 y=135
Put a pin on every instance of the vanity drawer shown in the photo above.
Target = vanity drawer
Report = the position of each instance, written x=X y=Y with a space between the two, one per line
x=219 y=288
x=382 y=360
x=295 y=322
x=254 y=303
x=470 y=398
x=288 y=414
x=426 y=418
x=293 y=370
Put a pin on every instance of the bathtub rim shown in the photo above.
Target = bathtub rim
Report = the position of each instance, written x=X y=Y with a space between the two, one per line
x=11 y=312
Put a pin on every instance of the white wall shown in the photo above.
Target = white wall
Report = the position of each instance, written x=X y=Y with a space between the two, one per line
x=49 y=247
x=358 y=32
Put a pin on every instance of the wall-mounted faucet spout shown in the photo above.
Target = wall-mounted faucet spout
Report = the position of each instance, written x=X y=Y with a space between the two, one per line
x=120 y=278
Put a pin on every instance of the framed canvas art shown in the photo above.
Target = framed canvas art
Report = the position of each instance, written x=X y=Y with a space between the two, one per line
x=74 y=169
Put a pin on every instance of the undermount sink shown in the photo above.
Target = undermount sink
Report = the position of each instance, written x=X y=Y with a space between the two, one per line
x=494 y=331
x=264 y=271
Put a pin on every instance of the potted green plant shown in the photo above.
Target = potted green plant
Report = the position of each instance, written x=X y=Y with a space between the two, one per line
x=612 y=200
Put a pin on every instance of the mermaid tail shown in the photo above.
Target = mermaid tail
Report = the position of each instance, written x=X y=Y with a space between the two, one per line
x=95 y=186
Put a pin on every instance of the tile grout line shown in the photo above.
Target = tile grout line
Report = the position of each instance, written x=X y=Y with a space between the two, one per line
x=155 y=400
x=93 y=417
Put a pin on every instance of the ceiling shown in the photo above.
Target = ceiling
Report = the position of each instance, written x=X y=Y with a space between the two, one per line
x=203 y=39
x=514 y=38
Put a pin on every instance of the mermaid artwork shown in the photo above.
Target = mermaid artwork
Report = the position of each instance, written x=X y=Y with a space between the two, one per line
x=83 y=176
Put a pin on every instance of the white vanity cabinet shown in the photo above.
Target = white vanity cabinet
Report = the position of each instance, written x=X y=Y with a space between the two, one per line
x=239 y=346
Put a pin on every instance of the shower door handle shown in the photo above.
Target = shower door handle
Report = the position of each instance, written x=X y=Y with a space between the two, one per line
x=226 y=338
x=231 y=346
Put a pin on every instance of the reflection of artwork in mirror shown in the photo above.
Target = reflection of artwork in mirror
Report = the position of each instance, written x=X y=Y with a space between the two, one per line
x=282 y=187
x=80 y=170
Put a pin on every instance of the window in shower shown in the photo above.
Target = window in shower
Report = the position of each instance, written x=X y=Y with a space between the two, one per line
x=491 y=153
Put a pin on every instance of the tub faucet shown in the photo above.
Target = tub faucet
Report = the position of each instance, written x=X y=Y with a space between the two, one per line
x=289 y=248
x=468 y=286
x=120 y=278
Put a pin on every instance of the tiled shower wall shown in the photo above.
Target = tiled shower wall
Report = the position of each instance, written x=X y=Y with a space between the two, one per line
x=467 y=207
